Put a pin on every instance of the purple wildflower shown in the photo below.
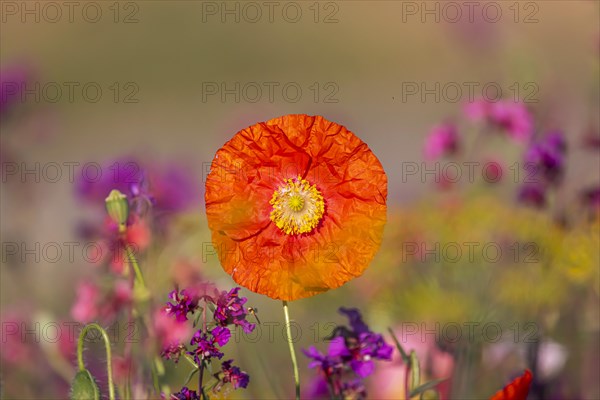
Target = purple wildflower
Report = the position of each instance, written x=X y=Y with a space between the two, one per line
x=207 y=344
x=545 y=158
x=591 y=197
x=167 y=188
x=221 y=335
x=355 y=320
x=172 y=352
x=185 y=394
x=185 y=303
x=442 y=141
x=121 y=174
x=359 y=346
x=320 y=360
x=532 y=195
x=233 y=375
x=350 y=349
x=230 y=310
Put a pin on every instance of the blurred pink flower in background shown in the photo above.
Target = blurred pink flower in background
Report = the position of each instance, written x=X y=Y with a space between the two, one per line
x=116 y=300
x=91 y=304
x=14 y=347
x=442 y=141
x=512 y=118
x=435 y=364
x=493 y=171
x=552 y=357
x=168 y=330
x=85 y=309
x=114 y=247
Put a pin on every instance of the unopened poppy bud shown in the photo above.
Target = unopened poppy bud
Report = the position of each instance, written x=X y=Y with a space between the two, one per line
x=84 y=387
x=117 y=208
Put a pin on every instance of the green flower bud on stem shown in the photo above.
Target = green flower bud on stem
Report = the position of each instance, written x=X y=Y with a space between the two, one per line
x=84 y=387
x=118 y=208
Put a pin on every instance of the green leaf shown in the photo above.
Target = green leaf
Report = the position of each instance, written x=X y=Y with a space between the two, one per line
x=403 y=354
x=84 y=387
x=426 y=386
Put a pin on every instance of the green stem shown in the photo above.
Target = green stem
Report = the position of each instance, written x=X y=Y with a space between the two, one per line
x=136 y=268
x=291 y=346
x=81 y=364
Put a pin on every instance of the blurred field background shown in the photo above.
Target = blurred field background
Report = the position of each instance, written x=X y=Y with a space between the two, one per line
x=368 y=52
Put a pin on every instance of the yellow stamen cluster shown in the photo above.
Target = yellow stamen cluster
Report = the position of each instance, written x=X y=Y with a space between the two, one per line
x=297 y=206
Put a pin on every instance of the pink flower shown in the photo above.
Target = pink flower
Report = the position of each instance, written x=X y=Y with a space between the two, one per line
x=15 y=350
x=512 y=118
x=442 y=141
x=477 y=110
x=85 y=308
x=492 y=171
x=431 y=358
x=119 y=299
x=112 y=246
x=168 y=330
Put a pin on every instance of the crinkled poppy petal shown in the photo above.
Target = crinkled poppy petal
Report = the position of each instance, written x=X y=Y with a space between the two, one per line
x=243 y=174
x=518 y=389
x=258 y=254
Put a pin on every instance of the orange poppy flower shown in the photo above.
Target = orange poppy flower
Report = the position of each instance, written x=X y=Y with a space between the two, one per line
x=517 y=389
x=296 y=206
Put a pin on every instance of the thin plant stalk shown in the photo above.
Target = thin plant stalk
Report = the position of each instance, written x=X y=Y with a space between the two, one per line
x=81 y=364
x=292 y=350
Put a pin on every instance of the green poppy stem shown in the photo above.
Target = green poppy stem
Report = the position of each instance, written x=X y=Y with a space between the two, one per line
x=81 y=364
x=136 y=268
x=291 y=346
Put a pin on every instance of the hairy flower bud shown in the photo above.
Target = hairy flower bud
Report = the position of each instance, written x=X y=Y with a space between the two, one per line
x=117 y=208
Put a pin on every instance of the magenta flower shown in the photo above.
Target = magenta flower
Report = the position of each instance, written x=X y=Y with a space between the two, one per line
x=230 y=310
x=184 y=303
x=350 y=349
x=512 y=118
x=207 y=344
x=233 y=375
x=546 y=158
x=85 y=309
x=442 y=141
x=118 y=299
x=185 y=394
x=591 y=197
x=170 y=333
x=532 y=194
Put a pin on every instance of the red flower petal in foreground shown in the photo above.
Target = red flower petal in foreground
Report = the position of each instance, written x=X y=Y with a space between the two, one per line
x=517 y=389
x=296 y=206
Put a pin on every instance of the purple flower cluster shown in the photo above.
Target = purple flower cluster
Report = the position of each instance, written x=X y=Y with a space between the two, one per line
x=233 y=375
x=166 y=188
x=545 y=164
x=185 y=303
x=229 y=306
x=350 y=350
x=185 y=394
x=206 y=344
x=230 y=310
